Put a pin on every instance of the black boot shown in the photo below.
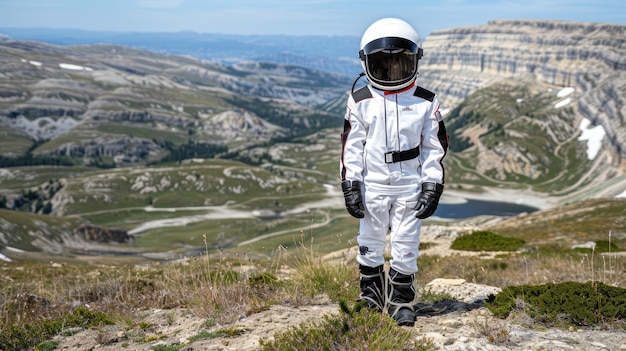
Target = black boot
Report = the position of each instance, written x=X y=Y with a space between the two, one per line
x=401 y=296
x=372 y=281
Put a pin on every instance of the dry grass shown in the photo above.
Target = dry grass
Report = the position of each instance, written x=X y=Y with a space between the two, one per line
x=218 y=287
x=495 y=330
x=221 y=287
x=529 y=266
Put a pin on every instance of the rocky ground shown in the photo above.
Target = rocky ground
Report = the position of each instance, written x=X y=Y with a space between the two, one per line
x=461 y=324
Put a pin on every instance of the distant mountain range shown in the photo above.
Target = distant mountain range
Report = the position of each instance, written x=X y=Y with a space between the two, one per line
x=519 y=97
x=331 y=53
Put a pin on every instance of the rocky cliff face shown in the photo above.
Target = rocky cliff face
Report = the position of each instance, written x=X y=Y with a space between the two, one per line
x=589 y=57
x=101 y=234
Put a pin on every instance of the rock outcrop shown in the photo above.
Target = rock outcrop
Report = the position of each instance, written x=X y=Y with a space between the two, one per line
x=239 y=124
x=589 y=57
x=91 y=232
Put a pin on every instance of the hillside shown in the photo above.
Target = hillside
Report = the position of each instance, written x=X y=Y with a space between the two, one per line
x=232 y=300
x=111 y=106
x=173 y=147
x=536 y=103
x=150 y=201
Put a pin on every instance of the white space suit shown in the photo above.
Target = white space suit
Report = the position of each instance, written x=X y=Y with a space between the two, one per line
x=379 y=125
x=394 y=141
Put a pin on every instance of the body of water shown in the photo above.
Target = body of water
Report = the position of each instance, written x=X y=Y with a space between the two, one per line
x=472 y=208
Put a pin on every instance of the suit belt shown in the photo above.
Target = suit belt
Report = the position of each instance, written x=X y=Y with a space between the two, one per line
x=397 y=156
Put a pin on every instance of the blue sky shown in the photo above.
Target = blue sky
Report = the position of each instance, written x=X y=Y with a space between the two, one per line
x=295 y=17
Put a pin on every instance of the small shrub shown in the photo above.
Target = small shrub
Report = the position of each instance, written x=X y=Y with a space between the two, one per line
x=498 y=266
x=486 y=241
x=315 y=275
x=162 y=347
x=47 y=345
x=28 y=335
x=568 y=303
x=263 y=278
x=354 y=329
x=427 y=295
x=266 y=287
x=229 y=332
x=495 y=331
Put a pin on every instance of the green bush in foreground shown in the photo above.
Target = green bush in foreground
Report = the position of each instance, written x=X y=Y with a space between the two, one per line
x=29 y=335
x=486 y=241
x=359 y=328
x=568 y=303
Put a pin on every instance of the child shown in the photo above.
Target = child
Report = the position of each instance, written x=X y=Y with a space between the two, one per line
x=394 y=141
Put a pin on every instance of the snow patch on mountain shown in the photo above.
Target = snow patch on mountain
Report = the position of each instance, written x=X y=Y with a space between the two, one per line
x=593 y=136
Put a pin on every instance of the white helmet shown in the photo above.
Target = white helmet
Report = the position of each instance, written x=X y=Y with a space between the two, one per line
x=390 y=50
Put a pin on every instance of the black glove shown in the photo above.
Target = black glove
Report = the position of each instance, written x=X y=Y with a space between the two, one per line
x=428 y=200
x=352 y=195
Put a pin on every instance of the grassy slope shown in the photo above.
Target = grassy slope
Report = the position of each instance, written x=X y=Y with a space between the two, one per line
x=519 y=141
x=295 y=170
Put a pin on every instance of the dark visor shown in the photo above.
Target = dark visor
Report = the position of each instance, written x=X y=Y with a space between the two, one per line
x=391 y=68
